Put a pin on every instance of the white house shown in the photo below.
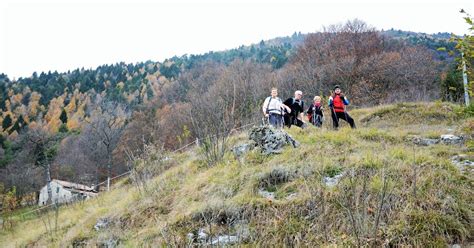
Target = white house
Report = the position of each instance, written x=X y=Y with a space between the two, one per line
x=64 y=192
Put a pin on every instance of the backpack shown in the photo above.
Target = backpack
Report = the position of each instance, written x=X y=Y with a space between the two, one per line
x=300 y=103
x=294 y=100
x=268 y=105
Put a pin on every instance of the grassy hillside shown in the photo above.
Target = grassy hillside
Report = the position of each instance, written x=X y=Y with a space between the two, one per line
x=369 y=186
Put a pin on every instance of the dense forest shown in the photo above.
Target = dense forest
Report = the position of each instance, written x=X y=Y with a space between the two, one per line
x=85 y=124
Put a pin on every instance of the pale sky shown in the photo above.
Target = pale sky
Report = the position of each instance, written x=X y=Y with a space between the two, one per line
x=65 y=35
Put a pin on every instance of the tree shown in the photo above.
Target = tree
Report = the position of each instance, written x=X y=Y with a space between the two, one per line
x=370 y=68
x=7 y=122
x=63 y=116
x=232 y=95
x=465 y=46
x=102 y=135
x=19 y=125
x=42 y=148
x=451 y=85
x=6 y=151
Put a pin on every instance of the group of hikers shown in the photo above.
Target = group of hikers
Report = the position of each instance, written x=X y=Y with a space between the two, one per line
x=292 y=111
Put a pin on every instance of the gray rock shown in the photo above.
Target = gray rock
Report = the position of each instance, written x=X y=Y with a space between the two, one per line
x=332 y=181
x=460 y=157
x=271 y=141
x=190 y=237
x=202 y=236
x=463 y=163
x=102 y=223
x=417 y=140
x=109 y=243
x=267 y=194
x=456 y=246
x=242 y=149
x=242 y=232
x=291 y=196
x=225 y=240
x=451 y=139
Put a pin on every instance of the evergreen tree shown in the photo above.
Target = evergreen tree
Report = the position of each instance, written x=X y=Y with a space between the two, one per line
x=19 y=125
x=16 y=127
x=452 y=86
x=63 y=116
x=2 y=97
x=7 y=122
x=21 y=121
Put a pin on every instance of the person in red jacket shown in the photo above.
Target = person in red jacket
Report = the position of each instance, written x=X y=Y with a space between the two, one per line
x=337 y=104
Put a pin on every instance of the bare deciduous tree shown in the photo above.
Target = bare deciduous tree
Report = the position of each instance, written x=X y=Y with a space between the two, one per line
x=102 y=135
x=370 y=68
x=42 y=147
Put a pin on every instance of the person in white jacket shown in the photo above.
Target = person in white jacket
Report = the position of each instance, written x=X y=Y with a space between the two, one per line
x=273 y=109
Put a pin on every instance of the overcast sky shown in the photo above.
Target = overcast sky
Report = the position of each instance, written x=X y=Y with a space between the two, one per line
x=51 y=35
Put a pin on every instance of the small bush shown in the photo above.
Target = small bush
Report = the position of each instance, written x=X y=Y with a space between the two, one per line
x=333 y=170
x=275 y=177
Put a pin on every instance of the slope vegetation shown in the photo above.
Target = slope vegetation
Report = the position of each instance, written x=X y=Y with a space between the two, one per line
x=369 y=186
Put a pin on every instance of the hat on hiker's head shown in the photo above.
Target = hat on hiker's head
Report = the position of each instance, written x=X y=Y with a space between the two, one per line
x=337 y=87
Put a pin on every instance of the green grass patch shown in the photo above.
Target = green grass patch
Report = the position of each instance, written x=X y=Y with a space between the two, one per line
x=377 y=135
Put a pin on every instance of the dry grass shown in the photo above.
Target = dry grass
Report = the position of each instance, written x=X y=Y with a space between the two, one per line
x=391 y=192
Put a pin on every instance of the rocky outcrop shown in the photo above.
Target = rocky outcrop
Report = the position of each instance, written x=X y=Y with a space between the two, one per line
x=271 y=141
x=240 y=233
x=463 y=162
x=450 y=139
x=447 y=139
x=101 y=224
x=417 y=140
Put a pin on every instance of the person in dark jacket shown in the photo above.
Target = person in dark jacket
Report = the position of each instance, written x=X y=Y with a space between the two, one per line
x=337 y=104
x=296 y=104
x=315 y=112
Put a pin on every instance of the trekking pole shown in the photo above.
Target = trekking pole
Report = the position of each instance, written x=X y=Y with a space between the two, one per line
x=345 y=113
x=282 y=118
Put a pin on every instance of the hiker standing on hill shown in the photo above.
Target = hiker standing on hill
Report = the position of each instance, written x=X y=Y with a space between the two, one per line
x=273 y=109
x=296 y=104
x=337 y=103
x=315 y=112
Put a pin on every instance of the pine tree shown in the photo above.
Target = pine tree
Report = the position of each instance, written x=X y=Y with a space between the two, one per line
x=16 y=127
x=63 y=116
x=451 y=85
x=21 y=121
x=7 y=122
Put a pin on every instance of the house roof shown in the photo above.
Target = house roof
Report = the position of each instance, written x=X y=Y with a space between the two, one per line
x=74 y=186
